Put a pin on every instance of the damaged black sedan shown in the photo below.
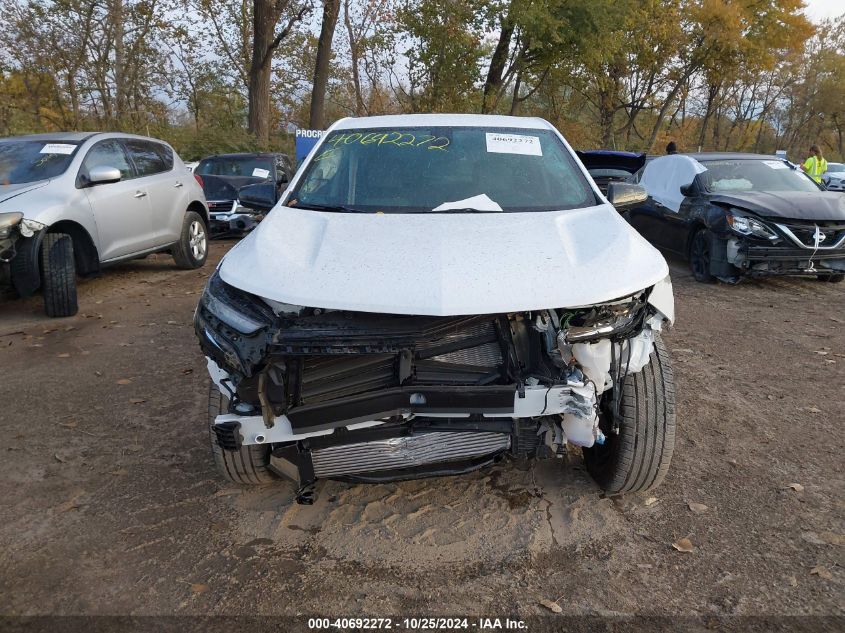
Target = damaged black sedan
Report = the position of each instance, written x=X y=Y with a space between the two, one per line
x=735 y=215
x=435 y=293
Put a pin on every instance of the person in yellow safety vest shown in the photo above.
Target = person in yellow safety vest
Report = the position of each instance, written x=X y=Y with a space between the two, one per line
x=815 y=165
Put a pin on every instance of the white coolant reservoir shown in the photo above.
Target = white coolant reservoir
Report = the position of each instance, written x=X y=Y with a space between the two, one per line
x=594 y=359
x=580 y=431
x=635 y=352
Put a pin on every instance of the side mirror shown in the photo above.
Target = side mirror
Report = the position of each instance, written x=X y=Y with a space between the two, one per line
x=688 y=190
x=625 y=194
x=261 y=196
x=283 y=178
x=103 y=175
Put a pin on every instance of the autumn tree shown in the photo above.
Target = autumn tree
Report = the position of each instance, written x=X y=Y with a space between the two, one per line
x=267 y=35
x=444 y=52
x=331 y=11
x=631 y=74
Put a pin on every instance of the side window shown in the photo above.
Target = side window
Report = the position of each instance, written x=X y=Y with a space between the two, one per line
x=106 y=154
x=166 y=155
x=147 y=157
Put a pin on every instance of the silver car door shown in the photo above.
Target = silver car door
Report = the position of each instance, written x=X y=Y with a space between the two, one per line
x=167 y=189
x=121 y=209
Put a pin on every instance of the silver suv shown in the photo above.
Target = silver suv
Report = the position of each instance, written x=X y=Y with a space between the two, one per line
x=71 y=203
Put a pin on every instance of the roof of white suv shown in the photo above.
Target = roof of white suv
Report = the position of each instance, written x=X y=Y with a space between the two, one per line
x=443 y=120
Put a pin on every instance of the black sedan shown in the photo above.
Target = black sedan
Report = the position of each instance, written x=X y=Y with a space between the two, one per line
x=224 y=177
x=733 y=215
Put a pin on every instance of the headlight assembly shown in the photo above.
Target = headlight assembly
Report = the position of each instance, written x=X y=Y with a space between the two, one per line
x=8 y=221
x=604 y=320
x=232 y=326
x=745 y=225
x=228 y=305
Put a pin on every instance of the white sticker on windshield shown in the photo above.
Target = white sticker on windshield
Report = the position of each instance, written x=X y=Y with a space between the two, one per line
x=513 y=144
x=776 y=164
x=260 y=173
x=58 y=148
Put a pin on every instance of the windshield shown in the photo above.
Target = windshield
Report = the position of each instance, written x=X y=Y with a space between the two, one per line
x=31 y=161
x=835 y=167
x=239 y=166
x=423 y=169
x=753 y=175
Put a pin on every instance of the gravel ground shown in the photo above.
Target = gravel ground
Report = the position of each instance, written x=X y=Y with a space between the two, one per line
x=111 y=504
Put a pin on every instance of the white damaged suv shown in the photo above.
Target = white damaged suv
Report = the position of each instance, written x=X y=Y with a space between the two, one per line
x=431 y=294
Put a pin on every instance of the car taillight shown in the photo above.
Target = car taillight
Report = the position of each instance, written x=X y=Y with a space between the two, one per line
x=199 y=179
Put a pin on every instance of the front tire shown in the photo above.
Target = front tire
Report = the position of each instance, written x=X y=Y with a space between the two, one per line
x=699 y=257
x=191 y=250
x=638 y=457
x=58 y=275
x=248 y=465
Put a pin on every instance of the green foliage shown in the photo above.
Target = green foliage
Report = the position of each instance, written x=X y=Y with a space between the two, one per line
x=444 y=54
x=720 y=74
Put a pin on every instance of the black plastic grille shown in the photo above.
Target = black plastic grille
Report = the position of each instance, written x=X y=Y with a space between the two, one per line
x=228 y=435
x=806 y=233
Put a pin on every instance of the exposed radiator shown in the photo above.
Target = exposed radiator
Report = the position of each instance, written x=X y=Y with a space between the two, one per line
x=465 y=355
x=405 y=452
x=329 y=377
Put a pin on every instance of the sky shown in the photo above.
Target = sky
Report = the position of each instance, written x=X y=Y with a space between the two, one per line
x=819 y=9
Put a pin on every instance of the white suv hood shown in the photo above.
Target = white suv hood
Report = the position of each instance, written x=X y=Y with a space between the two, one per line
x=443 y=264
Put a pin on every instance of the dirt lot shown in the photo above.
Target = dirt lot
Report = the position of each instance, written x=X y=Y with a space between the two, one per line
x=111 y=504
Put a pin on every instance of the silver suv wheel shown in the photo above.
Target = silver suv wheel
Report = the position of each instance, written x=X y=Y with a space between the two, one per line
x=197 y=239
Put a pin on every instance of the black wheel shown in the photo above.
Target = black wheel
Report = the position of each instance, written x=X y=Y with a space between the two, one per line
x=191 y=250
x=637 y=458
x=58 y=275
x=247 y=465
x=699 y=257
x=834 y=279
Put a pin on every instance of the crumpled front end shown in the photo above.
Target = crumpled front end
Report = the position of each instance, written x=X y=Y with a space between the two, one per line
x=369 y=397
x=20 y=239
x=759 y=247
x=229 y=217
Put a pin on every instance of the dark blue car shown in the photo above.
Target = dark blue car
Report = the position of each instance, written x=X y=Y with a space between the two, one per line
x=607 y=166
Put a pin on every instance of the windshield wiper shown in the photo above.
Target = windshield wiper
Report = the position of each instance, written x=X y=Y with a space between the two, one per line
x=463 y=210
x=327 y=207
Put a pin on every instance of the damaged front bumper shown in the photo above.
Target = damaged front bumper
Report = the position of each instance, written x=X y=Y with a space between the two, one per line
x=13 y=227
x=407 y=404
x=229 y=218
x=20 y=240
x=305 y=381
x=798 y=249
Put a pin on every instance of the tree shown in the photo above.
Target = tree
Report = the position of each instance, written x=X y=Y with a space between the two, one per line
x=445 y=51
x=370 y=34
x=265 y=40
x=103 y=59
x=236 y=74
x=331 y=11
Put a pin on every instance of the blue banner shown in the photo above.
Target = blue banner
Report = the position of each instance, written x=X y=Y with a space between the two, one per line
x=305 y=140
